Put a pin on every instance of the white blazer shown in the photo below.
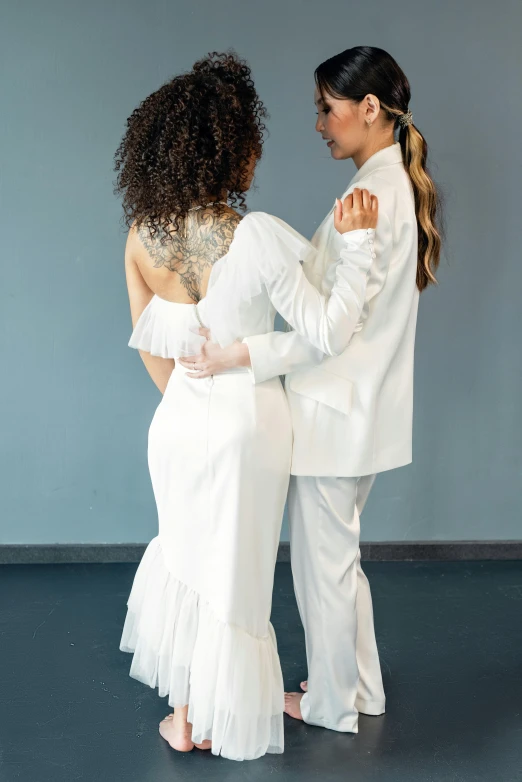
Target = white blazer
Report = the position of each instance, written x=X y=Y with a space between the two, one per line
x=352 y=413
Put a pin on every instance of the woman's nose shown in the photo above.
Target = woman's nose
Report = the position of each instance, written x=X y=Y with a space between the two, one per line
x=319 y=125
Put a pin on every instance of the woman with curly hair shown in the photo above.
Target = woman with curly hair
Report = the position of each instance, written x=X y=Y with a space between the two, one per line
x=198 y=620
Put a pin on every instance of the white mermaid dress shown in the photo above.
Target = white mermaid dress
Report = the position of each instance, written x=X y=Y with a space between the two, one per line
x=219 y=451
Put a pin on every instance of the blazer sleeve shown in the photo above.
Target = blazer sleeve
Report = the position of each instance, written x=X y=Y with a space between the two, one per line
x=265 y=256
x=328 y=322
x=278 y=353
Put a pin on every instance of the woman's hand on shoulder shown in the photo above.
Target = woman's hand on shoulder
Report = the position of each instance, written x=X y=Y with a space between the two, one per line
x=359 y=210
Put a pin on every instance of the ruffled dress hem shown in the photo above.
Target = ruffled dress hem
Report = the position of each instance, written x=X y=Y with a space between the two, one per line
x=230 y=679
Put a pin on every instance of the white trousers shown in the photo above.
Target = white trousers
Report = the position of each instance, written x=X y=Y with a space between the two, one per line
x=334 y=601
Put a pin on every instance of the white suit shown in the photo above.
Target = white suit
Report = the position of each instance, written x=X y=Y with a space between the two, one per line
x=352 y=417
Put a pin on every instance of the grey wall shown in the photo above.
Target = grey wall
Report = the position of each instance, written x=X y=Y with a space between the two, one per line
x=76 y=403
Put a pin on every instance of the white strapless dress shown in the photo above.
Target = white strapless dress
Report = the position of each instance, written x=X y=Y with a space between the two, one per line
x=198 y=617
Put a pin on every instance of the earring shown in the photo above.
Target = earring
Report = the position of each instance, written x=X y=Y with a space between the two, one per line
x=369 y=123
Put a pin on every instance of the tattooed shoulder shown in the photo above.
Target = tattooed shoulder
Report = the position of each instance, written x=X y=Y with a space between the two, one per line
x=205 y=239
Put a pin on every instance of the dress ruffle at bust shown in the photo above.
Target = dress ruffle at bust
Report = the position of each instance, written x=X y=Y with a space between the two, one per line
x=167 y=329
x=231 y=680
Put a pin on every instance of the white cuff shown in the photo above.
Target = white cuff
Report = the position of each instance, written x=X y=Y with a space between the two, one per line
x=250 y=368
x=356 y=239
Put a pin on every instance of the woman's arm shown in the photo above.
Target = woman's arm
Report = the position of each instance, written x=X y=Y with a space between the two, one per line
x=266 y=355
x=160 y=369
x=329 y=322
x=326 y=322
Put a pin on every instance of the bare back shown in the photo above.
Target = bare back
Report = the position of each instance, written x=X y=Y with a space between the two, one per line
x=178 y=269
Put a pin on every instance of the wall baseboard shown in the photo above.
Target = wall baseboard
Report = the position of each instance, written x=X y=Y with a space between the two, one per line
x=399 y=551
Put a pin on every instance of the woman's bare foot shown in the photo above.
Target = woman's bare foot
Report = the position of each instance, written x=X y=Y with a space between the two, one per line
x=304 y=686
x=177 y=731
x=293 y=705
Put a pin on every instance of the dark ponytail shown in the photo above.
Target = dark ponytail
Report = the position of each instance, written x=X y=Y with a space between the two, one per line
x=365 y=70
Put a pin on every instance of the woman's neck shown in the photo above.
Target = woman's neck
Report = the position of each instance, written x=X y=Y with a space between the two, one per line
x=372 y=147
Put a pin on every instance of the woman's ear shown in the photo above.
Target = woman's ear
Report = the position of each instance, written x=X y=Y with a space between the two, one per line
x=371 y=109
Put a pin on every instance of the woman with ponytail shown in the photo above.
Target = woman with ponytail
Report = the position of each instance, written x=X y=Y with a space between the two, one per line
x=352 y=413
x=371 y=87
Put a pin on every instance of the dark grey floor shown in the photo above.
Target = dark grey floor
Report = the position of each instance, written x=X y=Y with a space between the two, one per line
x=450 y=636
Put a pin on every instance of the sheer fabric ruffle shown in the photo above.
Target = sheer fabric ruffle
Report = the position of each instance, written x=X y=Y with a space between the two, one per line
x=231 y=680
x=167 y=329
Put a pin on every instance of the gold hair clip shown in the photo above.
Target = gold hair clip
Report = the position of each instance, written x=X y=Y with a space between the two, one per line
x=406 y=119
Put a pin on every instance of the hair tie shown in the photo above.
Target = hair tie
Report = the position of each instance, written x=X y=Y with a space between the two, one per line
x=406 y=119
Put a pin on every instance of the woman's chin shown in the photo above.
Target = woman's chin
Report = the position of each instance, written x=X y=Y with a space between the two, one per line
x=338 y=154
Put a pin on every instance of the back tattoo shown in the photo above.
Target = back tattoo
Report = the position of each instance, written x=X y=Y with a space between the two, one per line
x=205 y=239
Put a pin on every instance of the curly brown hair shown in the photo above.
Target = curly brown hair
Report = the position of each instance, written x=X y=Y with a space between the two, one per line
x=193 y=139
